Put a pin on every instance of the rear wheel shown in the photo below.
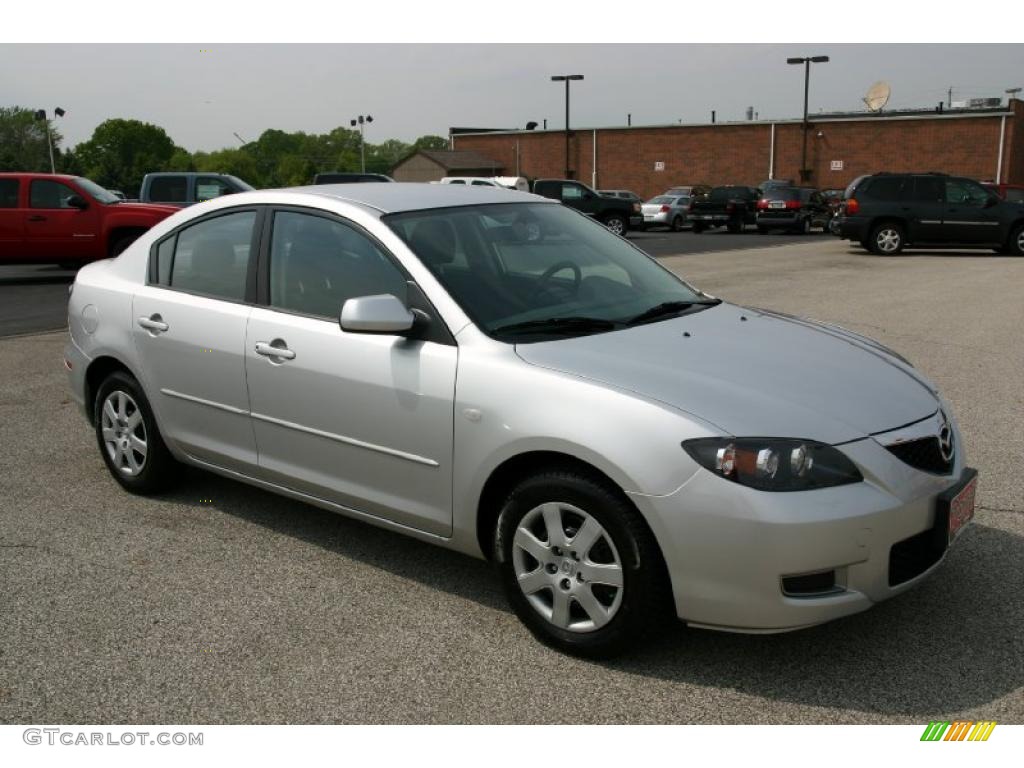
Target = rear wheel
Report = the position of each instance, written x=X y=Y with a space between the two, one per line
x=677 y=224
x=121 y=243
x=886 y=239
x=128 y=437
x=615 y=223
x=734 y=227
x=762 y=230
x=579 y=565
x=805 y=228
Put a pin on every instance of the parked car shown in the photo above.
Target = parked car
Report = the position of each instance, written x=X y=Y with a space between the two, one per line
x=68 y=220
x=666 y=211
x=689 y=190
x=1011 y=192
x=504 y=182
x=335 y=177
x=496 y=374
x=834 y=198
x=625 y=194
x=183 y=189
x=794 y=209
x=618 y=215
x=888 y=212
x=730 y=207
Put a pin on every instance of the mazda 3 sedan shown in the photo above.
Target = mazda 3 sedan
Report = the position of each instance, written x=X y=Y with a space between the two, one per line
x=495 y=373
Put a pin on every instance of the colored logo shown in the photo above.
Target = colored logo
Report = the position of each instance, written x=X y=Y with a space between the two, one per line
x=958 y=730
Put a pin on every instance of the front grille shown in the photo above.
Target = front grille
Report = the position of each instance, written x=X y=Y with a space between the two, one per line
x=923 y=454
x=810 y=584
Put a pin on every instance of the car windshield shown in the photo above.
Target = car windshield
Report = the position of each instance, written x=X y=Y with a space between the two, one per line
x=241 y=184
x=530 y=271
x=97 y=192
x=782 y=193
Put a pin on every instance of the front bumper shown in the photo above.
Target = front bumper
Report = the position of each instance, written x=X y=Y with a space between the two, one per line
x=728 y=547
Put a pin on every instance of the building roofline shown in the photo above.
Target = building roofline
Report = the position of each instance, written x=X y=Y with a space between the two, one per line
x=854 y=117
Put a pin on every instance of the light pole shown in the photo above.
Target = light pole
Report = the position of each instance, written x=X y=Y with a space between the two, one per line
x=805 y=172
x=41 y=115
x=566 y=79
x=360 y=121
x=1012 y=92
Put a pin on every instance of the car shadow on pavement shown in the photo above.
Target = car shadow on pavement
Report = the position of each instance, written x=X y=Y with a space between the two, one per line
x=963 y=253
x=955 y=642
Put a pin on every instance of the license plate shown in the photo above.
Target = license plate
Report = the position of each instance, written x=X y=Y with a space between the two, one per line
x=961 y=507
x=777 y=204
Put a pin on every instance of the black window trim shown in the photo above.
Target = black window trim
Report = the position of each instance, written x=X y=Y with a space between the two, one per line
x=152 y=272
x=416 y=299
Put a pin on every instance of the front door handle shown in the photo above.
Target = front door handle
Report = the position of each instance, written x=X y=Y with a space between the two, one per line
x=37 y=218
x=275 y=348
x=154 y=324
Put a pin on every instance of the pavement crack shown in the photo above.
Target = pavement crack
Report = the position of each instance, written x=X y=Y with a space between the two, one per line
x=1011 y=510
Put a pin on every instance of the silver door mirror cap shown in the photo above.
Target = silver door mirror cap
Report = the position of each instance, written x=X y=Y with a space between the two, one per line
x=376 y=314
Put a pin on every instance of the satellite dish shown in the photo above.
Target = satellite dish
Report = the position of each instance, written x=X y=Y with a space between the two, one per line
x=878 y=96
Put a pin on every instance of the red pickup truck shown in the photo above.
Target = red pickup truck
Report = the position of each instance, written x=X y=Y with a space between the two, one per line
x=67 y=220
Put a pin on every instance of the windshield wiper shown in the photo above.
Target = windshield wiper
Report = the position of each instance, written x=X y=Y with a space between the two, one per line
x=569 y=325
x=668 y=309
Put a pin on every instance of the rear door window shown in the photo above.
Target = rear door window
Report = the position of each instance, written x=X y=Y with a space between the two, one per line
x=927 y=189
x=9 y=193
x=168 y=189
x=212 y=257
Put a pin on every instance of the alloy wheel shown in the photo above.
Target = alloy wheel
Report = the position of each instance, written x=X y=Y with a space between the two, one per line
x=124 y=433
x=1020 y=241
x=616 y=226
x=888 y=240
x=567 y=567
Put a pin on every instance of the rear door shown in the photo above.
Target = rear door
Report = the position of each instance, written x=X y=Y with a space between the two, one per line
x=189 y=324
x=12 y=219
x=924 y=206
x=968 y=218
x=54 y=230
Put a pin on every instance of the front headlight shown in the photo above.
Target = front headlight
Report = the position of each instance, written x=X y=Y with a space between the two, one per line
x=774 y=464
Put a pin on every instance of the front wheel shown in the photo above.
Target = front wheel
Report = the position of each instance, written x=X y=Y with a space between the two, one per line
x=886 y=239
x=128 y=437
x=579 y=566
x=615 y=223
x=1015 y=246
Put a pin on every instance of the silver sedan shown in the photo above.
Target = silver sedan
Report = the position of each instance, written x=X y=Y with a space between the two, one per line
x=666 y=211
x=497 y=374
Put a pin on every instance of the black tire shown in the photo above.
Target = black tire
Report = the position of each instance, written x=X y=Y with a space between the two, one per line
x=645 y=599
x=698 y=228
x=734 y=227
x=887 y=239
x=677 y=224
x=616 y=223
x=120 y=245
x=158 y=467
x=762 y=230
x=1015 y=245
x=805 y=227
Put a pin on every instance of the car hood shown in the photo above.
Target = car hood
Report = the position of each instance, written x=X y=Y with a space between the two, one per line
x=154 y=208
x=752 y=373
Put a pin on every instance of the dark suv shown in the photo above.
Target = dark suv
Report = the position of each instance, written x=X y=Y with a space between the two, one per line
x=888 y=212
x=794 y=209
x=618 y=214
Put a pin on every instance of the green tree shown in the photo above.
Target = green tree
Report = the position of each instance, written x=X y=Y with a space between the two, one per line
x=121 y=152
x=430 y=142
x=23 y=144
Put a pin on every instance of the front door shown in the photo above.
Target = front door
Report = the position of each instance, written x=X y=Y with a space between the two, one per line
x=189 y=324
x=54 y=230
x=968 y=218
x=364 y=421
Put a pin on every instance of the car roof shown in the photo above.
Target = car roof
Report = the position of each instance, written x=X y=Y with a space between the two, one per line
x=395 y=197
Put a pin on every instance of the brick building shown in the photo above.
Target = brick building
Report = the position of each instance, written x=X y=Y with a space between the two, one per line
x=982 y=144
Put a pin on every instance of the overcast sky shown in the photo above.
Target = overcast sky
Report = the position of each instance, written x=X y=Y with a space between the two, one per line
x=200 y=97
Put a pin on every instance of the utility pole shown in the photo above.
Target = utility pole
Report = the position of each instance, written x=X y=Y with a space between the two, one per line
x=360 y=121
x=805 y=172
x=567 y=79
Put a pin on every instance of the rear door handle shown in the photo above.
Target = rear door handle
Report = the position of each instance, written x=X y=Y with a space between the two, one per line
x=276 y=348
x=154 y=323
x=37 y=218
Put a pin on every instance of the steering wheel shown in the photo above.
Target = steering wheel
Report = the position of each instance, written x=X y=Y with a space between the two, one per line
x=554 y=269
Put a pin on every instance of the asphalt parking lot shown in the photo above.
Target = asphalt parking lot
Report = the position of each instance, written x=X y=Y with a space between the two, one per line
x=222 y=603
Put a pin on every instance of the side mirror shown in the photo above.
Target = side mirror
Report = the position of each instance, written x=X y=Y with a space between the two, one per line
x=77 y=201
x=376 y=314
